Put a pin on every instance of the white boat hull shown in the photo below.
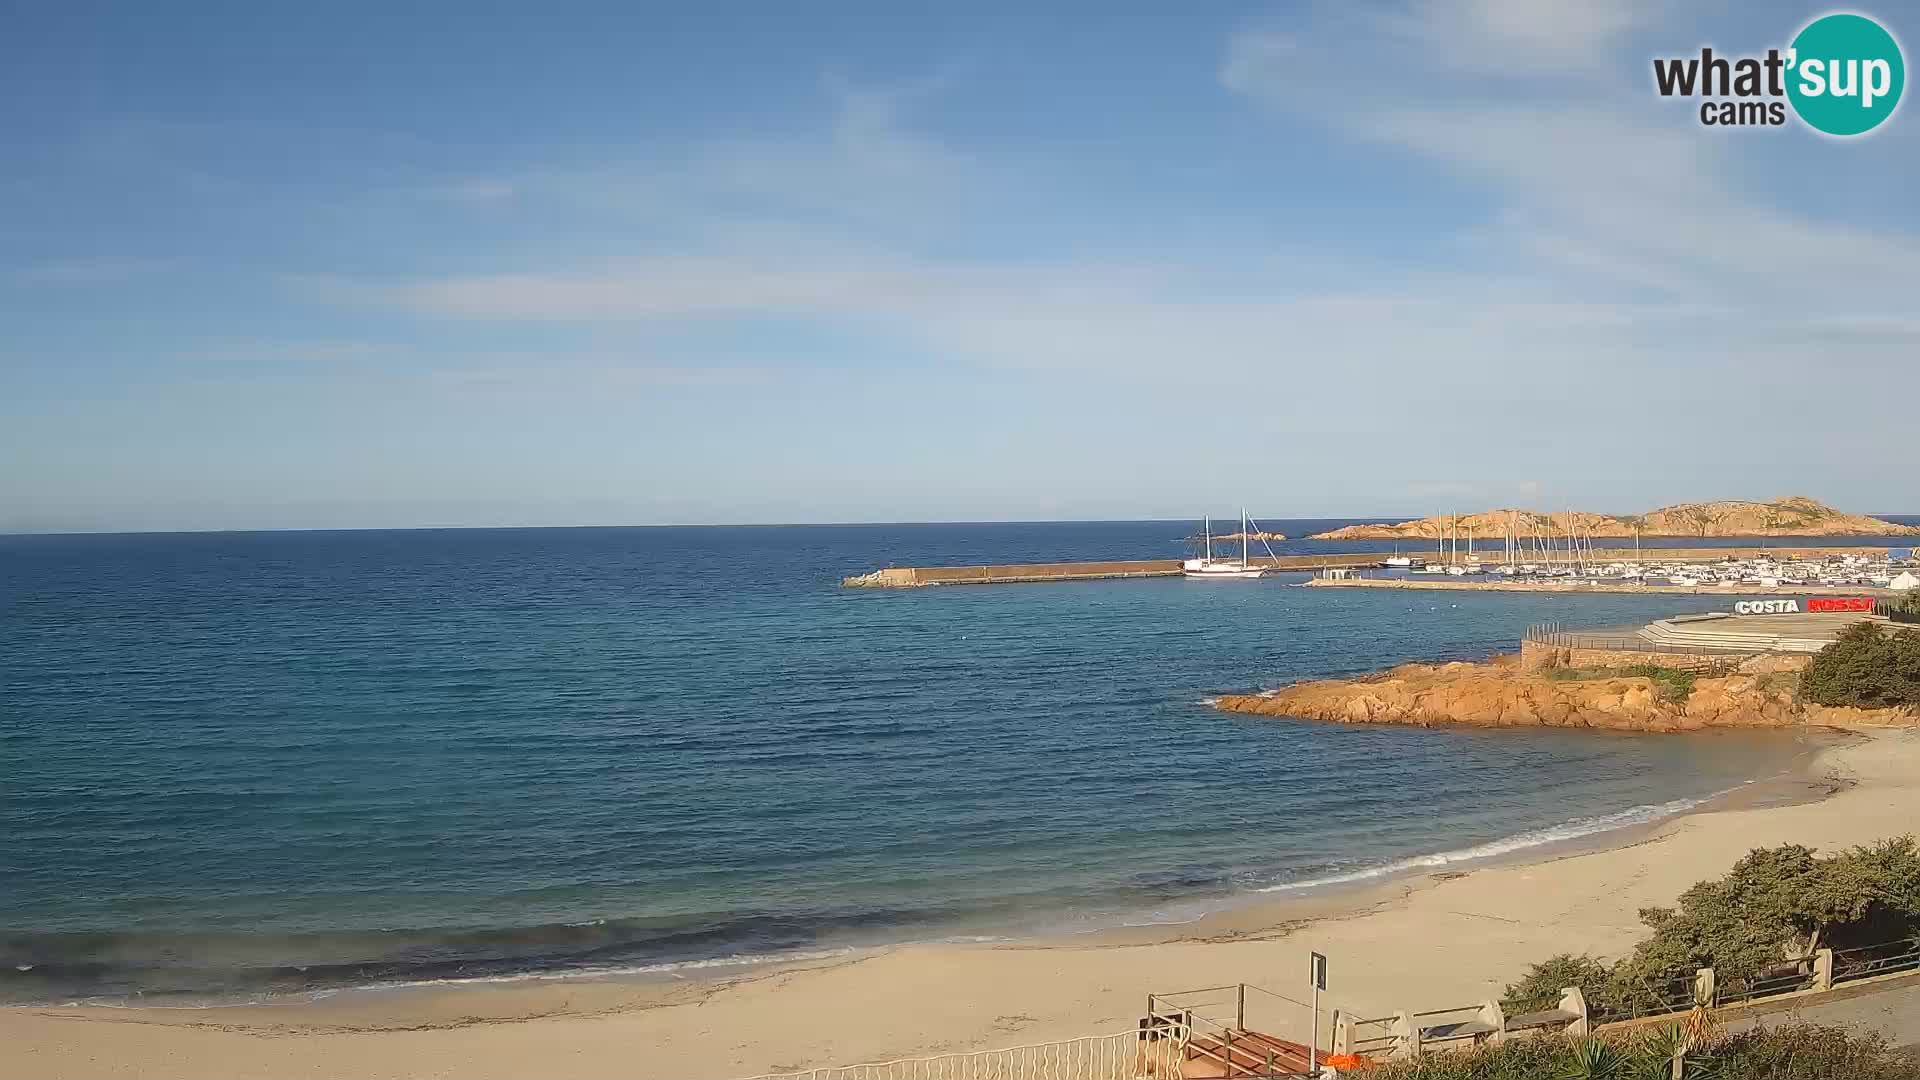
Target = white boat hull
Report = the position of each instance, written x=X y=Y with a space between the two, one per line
x=1204 y=568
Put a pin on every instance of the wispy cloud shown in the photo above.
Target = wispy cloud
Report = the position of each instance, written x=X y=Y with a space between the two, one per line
x=1595 y=183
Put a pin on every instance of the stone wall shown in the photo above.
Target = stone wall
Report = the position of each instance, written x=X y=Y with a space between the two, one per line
x=1538 y=656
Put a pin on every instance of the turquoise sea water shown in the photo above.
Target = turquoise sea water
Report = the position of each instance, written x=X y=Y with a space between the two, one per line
x=234 y=764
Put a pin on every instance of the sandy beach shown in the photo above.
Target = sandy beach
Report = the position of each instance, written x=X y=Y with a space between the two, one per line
x=1417 y=943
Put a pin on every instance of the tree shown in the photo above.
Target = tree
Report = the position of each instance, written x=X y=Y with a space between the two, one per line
x=1776 y=905
x=1866 y=667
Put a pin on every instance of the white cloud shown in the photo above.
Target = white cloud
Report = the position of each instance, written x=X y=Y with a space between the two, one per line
x=1597 y=184
x=1517 y=36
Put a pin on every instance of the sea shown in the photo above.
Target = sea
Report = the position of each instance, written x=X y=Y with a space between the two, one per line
x=246 y=765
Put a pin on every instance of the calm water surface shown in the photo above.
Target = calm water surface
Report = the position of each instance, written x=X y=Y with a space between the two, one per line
x=273 y=762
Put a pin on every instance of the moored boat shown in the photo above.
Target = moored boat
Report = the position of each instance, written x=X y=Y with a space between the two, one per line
x=1209 y=567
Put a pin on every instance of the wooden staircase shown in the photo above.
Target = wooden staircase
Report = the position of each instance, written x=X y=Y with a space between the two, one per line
x=1244 y=1054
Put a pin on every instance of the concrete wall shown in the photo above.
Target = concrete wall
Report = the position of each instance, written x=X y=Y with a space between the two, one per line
x=1538 y=656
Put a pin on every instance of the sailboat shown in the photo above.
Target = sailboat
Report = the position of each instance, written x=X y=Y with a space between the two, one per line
x=1210 y=567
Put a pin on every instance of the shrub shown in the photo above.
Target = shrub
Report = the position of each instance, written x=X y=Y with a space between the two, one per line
x=1792 y=1052
x=1774 y=904
x=1540 y=987
x=1866 y=667
x=1810 y=1052
x=1669 y=684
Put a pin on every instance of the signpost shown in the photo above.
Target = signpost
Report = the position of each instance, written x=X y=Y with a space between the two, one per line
x=1863 y=604
x=1317 y=974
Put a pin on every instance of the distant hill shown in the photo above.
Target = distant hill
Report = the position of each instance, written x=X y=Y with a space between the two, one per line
x=1792 y=516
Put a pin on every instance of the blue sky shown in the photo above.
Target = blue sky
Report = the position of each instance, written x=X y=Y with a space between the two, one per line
x=344 y=266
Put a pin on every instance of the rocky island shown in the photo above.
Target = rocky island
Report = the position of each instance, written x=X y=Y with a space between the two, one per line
x=1791 y=516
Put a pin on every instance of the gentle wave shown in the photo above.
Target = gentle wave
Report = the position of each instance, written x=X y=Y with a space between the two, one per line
x=1533 y=838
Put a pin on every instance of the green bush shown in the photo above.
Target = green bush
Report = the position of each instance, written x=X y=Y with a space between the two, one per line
x=1540 y=988
x=1774 y=903
x=1792 y=1052
x=1866 y=667
x=1810 y=1052
x=1669 y=684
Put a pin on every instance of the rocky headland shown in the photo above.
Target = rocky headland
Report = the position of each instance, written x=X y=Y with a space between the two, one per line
x=1499 y=693
x=1792 y=516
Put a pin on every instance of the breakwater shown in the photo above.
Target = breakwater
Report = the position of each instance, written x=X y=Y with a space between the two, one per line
x=910 y=577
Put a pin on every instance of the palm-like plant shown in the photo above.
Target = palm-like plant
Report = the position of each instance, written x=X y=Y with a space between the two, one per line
x=1649 y=1057
x=1593 y=1059
x=1653 y=1055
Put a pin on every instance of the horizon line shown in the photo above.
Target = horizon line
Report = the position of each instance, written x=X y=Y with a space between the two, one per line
x=1373 y=519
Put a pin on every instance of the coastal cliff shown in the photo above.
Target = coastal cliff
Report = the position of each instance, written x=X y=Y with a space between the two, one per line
x=1500 y=694
x=1792 y=516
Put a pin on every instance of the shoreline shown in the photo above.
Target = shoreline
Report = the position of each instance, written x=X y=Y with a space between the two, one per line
x=1162 y=919
x=1418 y=940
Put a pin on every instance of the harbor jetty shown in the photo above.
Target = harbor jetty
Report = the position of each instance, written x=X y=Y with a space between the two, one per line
x=910 y=577
x=914 y=577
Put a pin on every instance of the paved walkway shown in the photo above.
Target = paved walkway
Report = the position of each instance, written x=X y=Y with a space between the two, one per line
x=1893 y=1012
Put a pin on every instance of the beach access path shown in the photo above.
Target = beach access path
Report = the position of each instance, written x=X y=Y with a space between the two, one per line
x=1429 y=942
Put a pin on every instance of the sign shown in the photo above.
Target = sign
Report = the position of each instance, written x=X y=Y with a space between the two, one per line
x=1828 y=604
x=1317 y=970
x=1841 y=603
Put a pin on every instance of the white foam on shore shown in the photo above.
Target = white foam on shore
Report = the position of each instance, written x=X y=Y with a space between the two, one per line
x=611 y=971
x=614 y=970
x=1552 y=834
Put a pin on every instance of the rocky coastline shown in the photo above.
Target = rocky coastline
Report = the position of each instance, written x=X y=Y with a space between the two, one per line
x=1500 y=693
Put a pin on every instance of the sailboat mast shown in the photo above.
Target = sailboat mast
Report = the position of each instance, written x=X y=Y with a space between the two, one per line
x=1243 y=536
x=1207 y=528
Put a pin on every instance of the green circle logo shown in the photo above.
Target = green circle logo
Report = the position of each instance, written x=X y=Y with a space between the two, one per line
x=1845 y=74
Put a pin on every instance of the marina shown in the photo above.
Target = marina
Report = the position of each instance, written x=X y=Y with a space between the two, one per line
x=1782 y=569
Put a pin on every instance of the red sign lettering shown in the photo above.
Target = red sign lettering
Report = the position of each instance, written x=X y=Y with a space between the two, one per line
x=1840 y=603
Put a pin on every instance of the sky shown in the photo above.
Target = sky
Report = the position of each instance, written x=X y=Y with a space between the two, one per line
x=339 y=265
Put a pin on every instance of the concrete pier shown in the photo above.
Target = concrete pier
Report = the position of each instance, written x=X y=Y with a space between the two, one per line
x=910 y=577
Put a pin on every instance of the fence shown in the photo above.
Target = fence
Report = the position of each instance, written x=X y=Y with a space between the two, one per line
x=1411 y=1034
x=1237 y=1030
x=1897 y=611
x=1128 y=1055
x=1208 y=1033
x=1698 y=658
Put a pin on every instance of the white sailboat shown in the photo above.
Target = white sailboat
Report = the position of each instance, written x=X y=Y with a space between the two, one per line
x=1210 y=567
